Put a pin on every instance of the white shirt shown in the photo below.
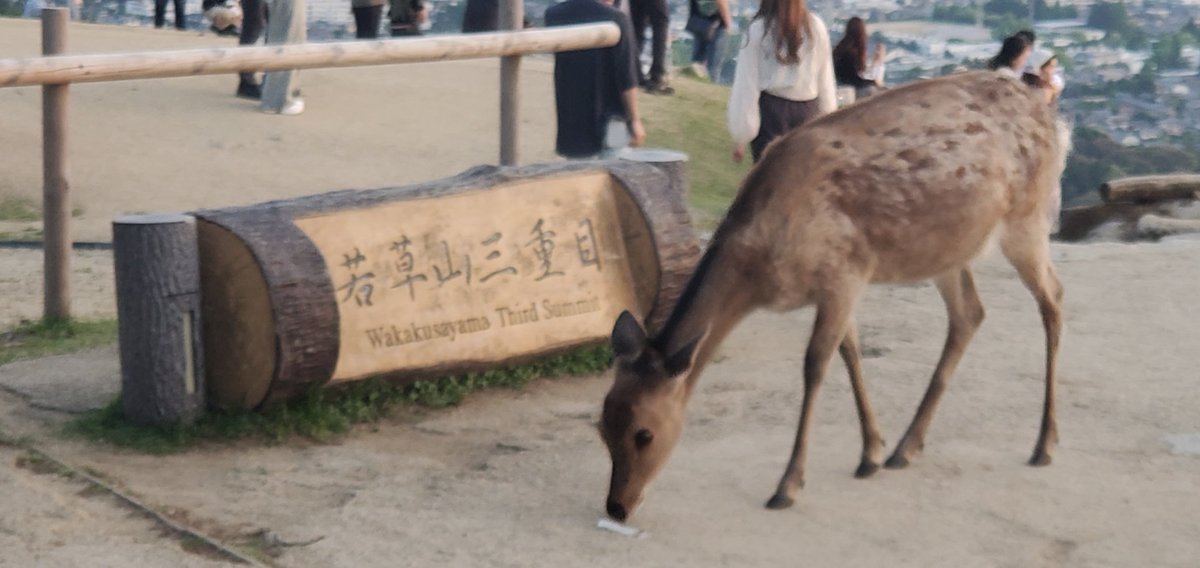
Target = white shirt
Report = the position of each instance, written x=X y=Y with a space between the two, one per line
x=759 y=70
x=875 y=72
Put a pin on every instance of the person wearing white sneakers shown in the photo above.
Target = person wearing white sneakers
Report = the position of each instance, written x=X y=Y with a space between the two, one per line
x=281 y=90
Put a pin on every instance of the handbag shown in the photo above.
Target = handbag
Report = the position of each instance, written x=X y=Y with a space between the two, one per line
x=702 y=28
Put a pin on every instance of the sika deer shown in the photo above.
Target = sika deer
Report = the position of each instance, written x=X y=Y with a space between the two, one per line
x=907 y=186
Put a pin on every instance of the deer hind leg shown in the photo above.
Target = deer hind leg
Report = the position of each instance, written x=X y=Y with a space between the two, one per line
x=1028 y=249
x=834 y=313
x=872 y=441
x=966 y=314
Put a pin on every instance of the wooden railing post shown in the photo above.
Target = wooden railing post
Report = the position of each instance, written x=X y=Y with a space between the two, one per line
x=56 y=203
x=512 y=17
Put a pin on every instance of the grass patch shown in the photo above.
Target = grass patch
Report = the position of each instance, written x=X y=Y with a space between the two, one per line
x=693 y=121
x=38 y=464
x=28 y=234
x=15 y=208
x=325 y=412
x=31 y=340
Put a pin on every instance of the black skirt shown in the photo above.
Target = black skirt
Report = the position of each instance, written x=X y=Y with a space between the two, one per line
x=778 y=116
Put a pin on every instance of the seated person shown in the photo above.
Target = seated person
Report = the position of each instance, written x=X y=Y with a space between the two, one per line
x=407 y=17
x=225 y=15
x=850 y=60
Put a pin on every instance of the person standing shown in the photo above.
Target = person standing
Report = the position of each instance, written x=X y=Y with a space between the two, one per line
x=160 y=14
x=595 y=90
x=784 y=76
x=367 y=16
x=481 y=16
x=407 y=16
x=657 y=15
x=709 y=22
x=281 y=89
x=254 y=14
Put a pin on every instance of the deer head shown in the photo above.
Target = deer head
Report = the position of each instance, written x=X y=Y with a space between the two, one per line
x=643 y=412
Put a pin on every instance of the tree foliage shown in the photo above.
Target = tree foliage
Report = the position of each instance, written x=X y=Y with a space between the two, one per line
x=1113 y=18
x=1097 y=158
x=956 y=14
x=1020 y=9
x=1168 y=52
x=11 y=8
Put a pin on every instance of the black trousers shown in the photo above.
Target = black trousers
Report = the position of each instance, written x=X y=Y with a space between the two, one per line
x=656 y=14
x=778 y=117
x=160 y=14
x=254 y=16
x=366 y=21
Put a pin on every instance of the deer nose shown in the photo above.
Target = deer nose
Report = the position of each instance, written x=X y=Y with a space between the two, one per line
x=615 y=510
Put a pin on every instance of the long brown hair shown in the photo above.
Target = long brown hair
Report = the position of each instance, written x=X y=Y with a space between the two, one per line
x=787 y=18
x=854 y=43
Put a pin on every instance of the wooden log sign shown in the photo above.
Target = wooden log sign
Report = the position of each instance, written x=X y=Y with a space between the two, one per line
x=487 y=268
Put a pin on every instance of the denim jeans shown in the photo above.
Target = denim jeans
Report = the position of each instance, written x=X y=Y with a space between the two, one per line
x=286 y=24
x=711 y=53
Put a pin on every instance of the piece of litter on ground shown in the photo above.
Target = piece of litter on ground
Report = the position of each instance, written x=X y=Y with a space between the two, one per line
x=621 y=529
x=1187 y=444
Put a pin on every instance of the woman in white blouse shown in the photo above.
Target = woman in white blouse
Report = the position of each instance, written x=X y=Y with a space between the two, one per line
x=784 y=76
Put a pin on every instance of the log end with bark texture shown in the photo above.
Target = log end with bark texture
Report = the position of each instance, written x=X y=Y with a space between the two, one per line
x=271 y=308
x=158 y=308
x=1151 y=189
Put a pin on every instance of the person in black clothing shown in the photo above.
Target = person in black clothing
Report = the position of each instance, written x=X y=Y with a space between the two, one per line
x=481 y=16
x=407 y=16
x=254 y=15
x=594 y=87
x=850 y=60
x=367 y=15
x=657 y=15
x=160 y=14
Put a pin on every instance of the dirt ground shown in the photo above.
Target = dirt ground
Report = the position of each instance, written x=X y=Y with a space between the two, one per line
x=187 y=143
x=518 y=478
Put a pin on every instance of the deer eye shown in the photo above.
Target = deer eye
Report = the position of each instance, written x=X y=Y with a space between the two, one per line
x=642 y=438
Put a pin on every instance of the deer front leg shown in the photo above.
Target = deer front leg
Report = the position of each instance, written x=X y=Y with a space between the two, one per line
x=830 y=328
x=965 y=312
x=1028 y=249
x=872 y=442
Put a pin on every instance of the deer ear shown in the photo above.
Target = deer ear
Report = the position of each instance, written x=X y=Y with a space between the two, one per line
x=683 y=358
x=628 y=337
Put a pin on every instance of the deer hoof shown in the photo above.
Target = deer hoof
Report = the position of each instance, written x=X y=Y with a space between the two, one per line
x=1040 y=458
x=866 y=469
x=778 y=502
x=897 y=461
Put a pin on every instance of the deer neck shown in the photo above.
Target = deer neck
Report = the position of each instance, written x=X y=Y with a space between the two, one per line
x=716 y=298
